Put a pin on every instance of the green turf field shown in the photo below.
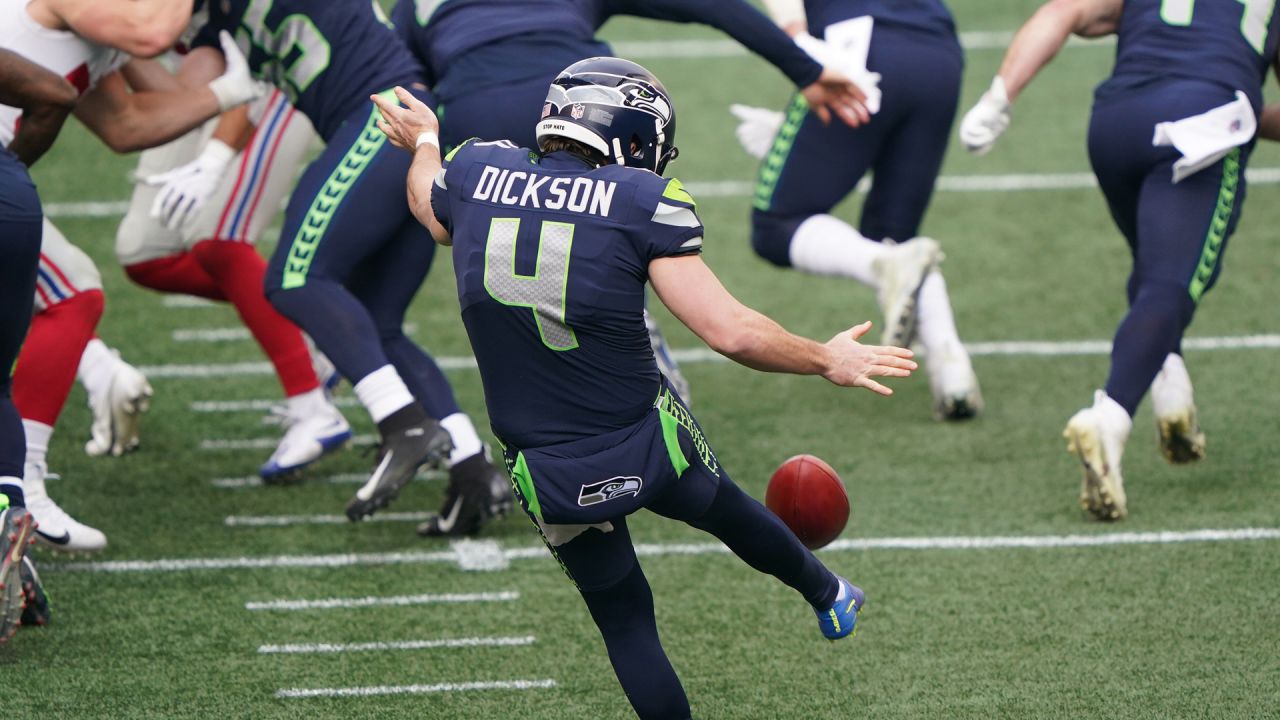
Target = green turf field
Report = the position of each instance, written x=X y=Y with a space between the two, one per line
x=953 y=628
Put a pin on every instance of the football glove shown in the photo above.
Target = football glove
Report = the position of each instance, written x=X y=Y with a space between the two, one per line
x=235 y=86
x=984 y=123
x=757 y=128
x=184 y=189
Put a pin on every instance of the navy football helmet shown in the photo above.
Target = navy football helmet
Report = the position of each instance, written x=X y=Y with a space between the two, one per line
x=615 y=107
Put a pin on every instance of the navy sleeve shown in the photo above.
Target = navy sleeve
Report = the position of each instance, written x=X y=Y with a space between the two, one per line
x=737 y=19
x=670 y=225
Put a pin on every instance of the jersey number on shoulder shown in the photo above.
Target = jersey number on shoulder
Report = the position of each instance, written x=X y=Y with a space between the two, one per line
x=1253 y=23
x=544 y=290
x=293 y=72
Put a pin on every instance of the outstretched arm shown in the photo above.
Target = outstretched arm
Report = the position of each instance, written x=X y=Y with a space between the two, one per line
x=1034 y=45
x=45 y=100
x=415 y=128
x=693 y=293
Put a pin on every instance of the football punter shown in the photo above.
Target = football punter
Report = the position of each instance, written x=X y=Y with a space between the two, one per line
x=1170 y=136
x=351 y=257
x=477 y=62
x=552 y=251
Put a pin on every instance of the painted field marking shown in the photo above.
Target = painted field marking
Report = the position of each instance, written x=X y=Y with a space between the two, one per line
x=294 y=693
x=266 y=443
x=720 y=47
x=733 y=188
x=292 y=520
x=235 y=334
x=1036 y=542
x=1030 y=348
x=388 y=601
x=253 y=481
x=448 y=643
x=257 y=405
x=186 y=301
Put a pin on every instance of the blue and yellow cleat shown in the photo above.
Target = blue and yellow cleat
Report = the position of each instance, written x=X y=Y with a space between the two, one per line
x=841 y=619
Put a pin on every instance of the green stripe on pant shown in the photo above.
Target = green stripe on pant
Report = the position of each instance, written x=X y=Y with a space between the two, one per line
x=1217 y=233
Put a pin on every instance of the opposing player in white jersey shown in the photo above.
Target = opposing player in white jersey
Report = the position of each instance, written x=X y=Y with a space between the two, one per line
x=201 y=203
x=86 y=42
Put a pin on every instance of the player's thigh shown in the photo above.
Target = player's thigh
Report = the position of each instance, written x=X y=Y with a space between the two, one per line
x=502 y=112
x=141 y=237
x=21 y=224
x=811 y=166
x=921 y=88
x=387 y=280
x=253 y=190
x=65 y=270
x=1183 y=228
x=595 y=558
x=348 y=205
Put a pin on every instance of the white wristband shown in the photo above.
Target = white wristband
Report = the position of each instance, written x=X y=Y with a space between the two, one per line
x=427 y=137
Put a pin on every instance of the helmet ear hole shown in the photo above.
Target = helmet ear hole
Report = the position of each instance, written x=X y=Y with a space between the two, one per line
x=637 y=147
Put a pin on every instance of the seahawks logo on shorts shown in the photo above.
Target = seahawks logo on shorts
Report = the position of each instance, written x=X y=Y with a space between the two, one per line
x=610 y=489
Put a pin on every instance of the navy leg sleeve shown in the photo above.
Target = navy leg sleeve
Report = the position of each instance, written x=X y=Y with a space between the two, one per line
x=20 y=231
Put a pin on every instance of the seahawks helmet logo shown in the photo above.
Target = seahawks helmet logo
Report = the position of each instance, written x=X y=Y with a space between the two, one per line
x=643 y=98
x=611 y=489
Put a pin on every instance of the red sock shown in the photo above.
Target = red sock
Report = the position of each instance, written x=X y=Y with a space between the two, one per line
x=175 y=274
x=238 y=270
x=47 y=364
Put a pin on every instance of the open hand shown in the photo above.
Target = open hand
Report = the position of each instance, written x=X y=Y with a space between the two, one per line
x=403 y=125
x=856 y=364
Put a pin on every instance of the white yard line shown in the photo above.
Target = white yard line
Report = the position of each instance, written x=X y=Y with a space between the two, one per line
x=253 y=481
x=257 y=404
x=1030 y=348
x=236 y=334
x=448 y=643
x=186 y=301
x=723 y=47
x=292 y=520
x=666 y=549
x=415 y=689
x=388 y=601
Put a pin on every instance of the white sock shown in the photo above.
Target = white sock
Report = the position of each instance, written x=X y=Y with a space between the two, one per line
x=936 y=324
x=1112 y=411
x=97 y=364
x=382 y=392
x=38 y=436
x=465 y=440
x=824 y=245
x=311 y=402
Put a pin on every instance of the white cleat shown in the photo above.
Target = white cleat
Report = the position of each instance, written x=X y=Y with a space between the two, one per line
x=55 y=528
x=1096 y=435
x=1178 y=428
x=956 y=394
x=307 y=438
x=900 y=271
x=117 y=412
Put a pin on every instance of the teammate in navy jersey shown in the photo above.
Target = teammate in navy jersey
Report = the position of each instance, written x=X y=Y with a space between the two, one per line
x=810 y=166
x=351 y=257
x=481 y=55
x=45 y=100
x=1190 y=76
x=552 y=250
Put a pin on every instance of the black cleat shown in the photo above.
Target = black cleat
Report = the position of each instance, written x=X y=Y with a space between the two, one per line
x=477 y=493
x=403 y=451
x=37 y=610
x=17 y=529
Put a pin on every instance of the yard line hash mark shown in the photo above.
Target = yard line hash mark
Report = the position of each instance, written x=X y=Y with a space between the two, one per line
x=448 y=643
x=415 y=689
x=387 y=601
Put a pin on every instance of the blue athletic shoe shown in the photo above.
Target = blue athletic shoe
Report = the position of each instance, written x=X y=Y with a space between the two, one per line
x=307 y=439
x=841 y=619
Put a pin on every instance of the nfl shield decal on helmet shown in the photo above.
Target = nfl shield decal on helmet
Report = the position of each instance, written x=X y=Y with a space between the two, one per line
x=611 y=489
x=577 y=111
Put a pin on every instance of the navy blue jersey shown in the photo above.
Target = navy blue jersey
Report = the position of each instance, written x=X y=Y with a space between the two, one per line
x=552 y=256
x=925 y=15
x=328 y=57
x=442 y=31
x=1228 y=43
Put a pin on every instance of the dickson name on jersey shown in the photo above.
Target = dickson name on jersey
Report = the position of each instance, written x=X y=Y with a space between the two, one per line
x=537 y=191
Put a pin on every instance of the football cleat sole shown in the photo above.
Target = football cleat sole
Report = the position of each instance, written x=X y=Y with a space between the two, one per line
x=1101 y=490
x=1181 y=439
x=13 y=600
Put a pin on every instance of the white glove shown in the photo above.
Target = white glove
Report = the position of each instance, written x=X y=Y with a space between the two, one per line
x=846 y=63
x=986 y=120
x=184 y=189
x=758 y=128
x=235 y=86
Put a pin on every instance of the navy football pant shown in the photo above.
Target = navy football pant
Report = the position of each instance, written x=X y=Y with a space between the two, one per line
x=1177 y=233
x=352 y=257
x=20 y=231
x=812 y=166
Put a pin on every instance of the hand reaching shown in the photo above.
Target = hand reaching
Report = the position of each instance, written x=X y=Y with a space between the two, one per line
x=184 y=189
x=403 y=125
x=856 y=364
x=235 y=86
x=984 y=123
